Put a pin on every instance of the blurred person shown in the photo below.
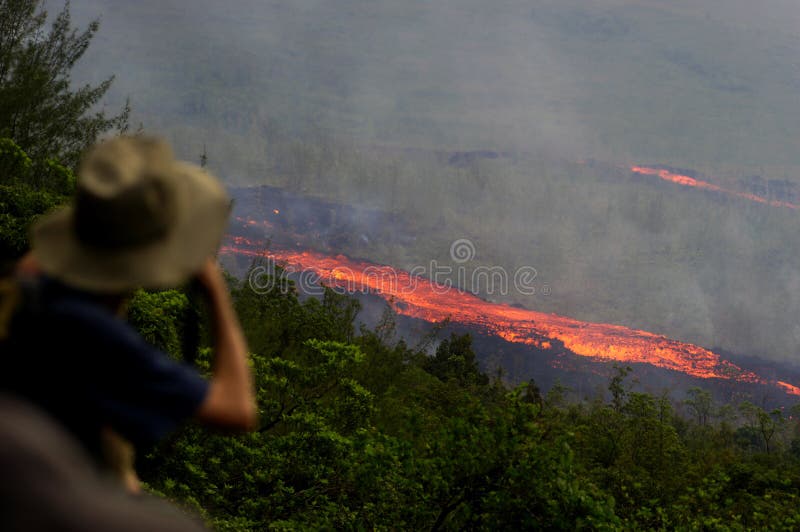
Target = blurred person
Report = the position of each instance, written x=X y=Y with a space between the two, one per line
x=50 y=484
x=138 y=219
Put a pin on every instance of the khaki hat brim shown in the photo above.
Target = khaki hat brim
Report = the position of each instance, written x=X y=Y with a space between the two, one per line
x=203 y=207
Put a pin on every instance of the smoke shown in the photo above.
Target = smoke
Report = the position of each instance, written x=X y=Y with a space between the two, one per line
x=447 y=74
x=468 y=119
x=679 y=82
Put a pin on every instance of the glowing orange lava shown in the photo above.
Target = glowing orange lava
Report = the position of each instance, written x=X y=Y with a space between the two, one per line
x=419 y=297
x=705 y=185
x=794 y=390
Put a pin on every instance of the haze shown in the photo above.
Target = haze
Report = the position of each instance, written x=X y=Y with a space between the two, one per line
x=333 y=98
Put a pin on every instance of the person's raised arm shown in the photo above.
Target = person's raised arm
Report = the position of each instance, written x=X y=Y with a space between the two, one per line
x=230 y=402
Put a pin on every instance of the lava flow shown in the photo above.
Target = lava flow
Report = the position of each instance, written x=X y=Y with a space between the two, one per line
x=419 y=297
x=685 y=180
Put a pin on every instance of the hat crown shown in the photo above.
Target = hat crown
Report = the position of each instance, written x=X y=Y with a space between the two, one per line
x=139 y=218
x=125 y=195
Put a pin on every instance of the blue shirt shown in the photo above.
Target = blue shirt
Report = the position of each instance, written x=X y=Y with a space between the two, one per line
x=90 y=369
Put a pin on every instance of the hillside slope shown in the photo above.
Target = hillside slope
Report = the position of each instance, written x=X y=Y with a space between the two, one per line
x=381 y=104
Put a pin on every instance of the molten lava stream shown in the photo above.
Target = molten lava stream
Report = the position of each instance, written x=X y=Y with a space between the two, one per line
x=421 y=298
x=685 y=180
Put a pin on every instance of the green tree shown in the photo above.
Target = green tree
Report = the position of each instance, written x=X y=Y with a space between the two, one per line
x=21 y=202
x=700 y=403
x=619 y=391
x=158 y=316
x=764 y=424
x=39 y=109
x=455 y=359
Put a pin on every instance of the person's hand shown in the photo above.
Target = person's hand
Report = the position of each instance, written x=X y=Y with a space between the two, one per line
x=230 y=402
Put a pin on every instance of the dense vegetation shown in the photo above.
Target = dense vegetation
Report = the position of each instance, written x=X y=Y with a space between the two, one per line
x=45 y=123
x=361 y=431
x=39 y=107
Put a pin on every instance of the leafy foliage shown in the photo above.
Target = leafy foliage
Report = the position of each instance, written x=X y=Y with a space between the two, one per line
x=361 y=432
x=160 y=318
x=21 y=201
x=38 y=107
x=358 y=433
x=44 y=124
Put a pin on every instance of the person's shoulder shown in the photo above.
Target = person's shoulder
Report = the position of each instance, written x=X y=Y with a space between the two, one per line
x=86 y=312
x=82 y=314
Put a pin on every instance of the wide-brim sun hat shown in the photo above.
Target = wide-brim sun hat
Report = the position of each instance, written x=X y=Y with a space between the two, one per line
x=139 y=219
